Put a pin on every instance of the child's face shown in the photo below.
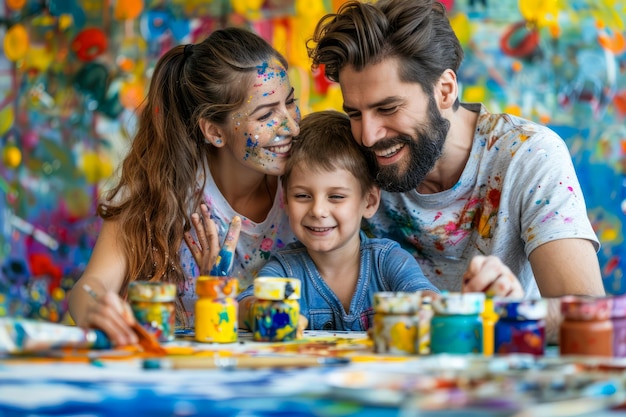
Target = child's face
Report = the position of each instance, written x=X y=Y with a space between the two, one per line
x=325 y=208
x=262 y=129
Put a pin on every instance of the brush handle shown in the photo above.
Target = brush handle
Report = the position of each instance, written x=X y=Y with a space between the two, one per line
x=249 y=362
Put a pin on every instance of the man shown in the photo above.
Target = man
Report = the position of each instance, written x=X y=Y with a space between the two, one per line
x=485 y=202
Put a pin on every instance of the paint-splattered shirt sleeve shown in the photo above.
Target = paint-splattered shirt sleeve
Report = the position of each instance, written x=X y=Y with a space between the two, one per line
x=547 y=193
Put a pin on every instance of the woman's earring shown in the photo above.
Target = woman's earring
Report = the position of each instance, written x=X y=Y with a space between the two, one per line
x=218 y=141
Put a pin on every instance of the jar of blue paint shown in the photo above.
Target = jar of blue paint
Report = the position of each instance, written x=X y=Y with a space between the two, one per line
x=521 y=326
x=276 y=310
x=456 y=326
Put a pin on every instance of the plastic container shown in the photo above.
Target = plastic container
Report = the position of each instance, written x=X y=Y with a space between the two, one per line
x=586 y=328
x=276 y=310
x=521 y=327
x=154 y=307
x=396 y=322
x=216 y=309
x=457 y=326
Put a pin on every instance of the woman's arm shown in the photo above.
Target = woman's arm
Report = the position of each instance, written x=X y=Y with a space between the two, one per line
x=104 y=275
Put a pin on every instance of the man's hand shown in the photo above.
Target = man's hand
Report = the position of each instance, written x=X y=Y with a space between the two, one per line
x=490 y=275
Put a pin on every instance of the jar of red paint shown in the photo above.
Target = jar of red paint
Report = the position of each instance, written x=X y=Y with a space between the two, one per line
x=586 y=328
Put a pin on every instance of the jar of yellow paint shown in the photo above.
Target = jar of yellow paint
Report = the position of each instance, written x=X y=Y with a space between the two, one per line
x=216 y=309
x=396 y=322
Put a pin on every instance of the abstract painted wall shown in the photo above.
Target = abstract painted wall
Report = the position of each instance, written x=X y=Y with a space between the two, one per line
x=72 y=73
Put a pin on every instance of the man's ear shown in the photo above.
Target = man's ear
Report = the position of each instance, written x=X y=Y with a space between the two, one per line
x=372 y=199
x=212 y=133
x=446 y=90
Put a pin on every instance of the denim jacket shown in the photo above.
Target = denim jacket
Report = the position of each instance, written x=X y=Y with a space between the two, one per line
x=385 y=266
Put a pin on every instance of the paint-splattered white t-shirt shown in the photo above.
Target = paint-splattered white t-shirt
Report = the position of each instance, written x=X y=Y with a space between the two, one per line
x=518 y=191
x=256 y=241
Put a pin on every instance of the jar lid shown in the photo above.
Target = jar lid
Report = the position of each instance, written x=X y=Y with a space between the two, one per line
x=452 y=303
x=151 y=291
x=217 y=287
x=391 y=302
x=276 y=288
x=586 y=308
x=532 y=309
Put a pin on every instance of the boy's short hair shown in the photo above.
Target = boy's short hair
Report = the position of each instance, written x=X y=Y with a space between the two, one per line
x=325 y=143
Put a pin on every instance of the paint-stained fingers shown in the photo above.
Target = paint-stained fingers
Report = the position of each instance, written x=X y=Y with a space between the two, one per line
x=205 y=248
x=474 y=275
x=192 y=245
x=210 y=251
x=199 y=225
x=232 y=237
x=210 y=236
x=489 y=274
x=506 y=285
x=223 y=264
x=114 y=317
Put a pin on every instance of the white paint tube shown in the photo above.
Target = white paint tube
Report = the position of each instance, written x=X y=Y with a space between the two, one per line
x=19 y=335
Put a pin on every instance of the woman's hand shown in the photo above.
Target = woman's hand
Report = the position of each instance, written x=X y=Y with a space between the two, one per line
x=212 y=260
x=490 y=275
x=109 y=313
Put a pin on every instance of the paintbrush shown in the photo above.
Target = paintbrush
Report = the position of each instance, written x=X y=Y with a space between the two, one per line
x=147 y=340
x=246 y=362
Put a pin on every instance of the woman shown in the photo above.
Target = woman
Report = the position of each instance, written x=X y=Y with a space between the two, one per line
x=216 y=128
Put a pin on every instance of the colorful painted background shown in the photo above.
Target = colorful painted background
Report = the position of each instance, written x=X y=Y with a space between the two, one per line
x=72 y=72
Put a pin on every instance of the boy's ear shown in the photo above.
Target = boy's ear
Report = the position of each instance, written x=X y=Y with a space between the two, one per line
x=212 y=133
x=372 y=198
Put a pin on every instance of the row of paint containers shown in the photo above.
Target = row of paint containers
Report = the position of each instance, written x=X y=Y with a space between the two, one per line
x=464 y=323
x=404 y=323
x=273 y=315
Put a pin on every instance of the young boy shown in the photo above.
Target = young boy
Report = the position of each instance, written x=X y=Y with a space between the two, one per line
x=329 y=188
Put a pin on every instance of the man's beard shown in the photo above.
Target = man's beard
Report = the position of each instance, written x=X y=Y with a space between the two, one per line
x=424 y=151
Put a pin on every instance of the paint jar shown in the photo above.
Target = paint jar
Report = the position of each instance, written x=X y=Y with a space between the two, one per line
x=586 y=328
x=396 y=322
x=423 y=330
x=216 y=309
x=457 y=326
x=521 y=327
x=618 y=318
x=276 y=309
x=154 y=307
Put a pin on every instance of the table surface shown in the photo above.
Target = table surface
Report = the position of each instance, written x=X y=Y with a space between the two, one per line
x=114 y=382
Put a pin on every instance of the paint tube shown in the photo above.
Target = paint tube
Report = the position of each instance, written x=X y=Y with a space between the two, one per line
x=19 y=335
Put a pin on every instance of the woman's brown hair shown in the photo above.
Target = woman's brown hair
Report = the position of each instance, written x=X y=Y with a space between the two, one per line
x=158 y=187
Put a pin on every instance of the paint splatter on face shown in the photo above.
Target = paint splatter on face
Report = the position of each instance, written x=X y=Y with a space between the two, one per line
x=265 y=125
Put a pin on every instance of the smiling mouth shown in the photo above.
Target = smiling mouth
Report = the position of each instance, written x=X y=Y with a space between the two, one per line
x=280 y=149
x=389 y=152
x=319 y=229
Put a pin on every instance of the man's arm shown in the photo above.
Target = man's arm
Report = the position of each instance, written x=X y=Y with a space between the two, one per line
x=565 y=267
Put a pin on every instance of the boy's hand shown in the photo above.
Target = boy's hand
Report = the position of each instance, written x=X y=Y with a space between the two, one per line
x=303 y=322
